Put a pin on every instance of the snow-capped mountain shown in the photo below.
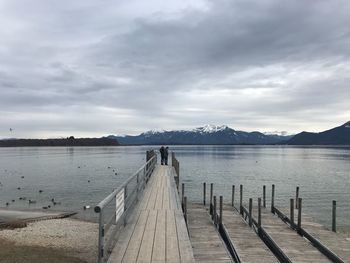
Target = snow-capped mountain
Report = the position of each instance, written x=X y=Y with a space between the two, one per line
x=208 y=134
x=209 y=128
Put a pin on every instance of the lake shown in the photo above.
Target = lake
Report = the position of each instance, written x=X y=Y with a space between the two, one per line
x=79 y=176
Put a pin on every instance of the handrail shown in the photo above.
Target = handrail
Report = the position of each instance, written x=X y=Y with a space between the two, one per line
x=124 y=196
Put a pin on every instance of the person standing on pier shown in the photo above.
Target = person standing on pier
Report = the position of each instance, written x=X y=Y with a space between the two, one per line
x=162 y=155
x=166 y=153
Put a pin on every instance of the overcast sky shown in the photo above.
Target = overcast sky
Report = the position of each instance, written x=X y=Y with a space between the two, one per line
x=99 y=67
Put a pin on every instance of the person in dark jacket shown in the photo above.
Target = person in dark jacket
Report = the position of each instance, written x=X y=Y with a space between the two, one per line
x=162 y=154
x=166 y=153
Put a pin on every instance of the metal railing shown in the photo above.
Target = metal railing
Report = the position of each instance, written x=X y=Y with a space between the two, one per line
x=124 y=198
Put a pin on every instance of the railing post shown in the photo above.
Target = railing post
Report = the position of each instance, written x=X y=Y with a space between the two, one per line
x=220 y=211
x=334 y=215
x=137 y=187
x=182 y=194
x=259 y=212
x=233 y=196
x=214 y=210
x=292 y=211
x=125 y=205
x=241 y=199
x=273 y=199
x=296 y=197
x=250 y=212
x=204 y=193
x=299 y=212
x=211 y=199
x=100 y=238
x=185 y=208
x=264 y=196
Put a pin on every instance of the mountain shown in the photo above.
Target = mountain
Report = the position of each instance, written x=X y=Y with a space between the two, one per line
x=208 y=134
x=336 y=136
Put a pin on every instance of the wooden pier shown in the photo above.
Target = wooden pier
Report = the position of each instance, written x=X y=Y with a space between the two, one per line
x=154 y=223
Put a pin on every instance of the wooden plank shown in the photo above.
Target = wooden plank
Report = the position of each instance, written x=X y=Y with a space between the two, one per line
x=186 y=252
x=338 y=243
x=145 y=252
x=159 y=246
x=247 y=244
x=135 y=241
x=206 y=242
x=172 y=243
x=294 y=246
x=158 y=231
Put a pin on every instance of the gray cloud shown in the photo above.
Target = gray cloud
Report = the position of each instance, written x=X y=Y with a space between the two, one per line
x=95 y=68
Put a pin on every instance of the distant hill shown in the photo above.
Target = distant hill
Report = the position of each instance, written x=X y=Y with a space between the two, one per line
x=208 y=134
x=336 y=136
x=71 y=141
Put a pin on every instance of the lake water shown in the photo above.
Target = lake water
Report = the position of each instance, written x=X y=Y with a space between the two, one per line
x=63 y=173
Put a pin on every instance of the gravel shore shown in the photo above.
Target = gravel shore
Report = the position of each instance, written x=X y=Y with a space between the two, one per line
x=69 y=237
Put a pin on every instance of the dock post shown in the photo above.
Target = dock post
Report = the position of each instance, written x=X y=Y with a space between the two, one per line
x=264 y=196
x=204 y=193
x=214 y=210
x=241 y=199
x=100 y=238
x=233 y=195
x=292 y=211
x=259 y=212
x=299 y=212
x=250 y=212
x=220 y=211
x=273 y=199
x=296 y=197
x=211 y=199
x=185 y=209
x=137 y=187
x=334 y=215
x=125 y=208
x=182 y=194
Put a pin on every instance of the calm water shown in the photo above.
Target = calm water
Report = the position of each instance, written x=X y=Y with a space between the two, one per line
x=323 y=174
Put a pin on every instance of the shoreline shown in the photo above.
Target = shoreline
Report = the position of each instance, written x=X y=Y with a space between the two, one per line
x=57 y=240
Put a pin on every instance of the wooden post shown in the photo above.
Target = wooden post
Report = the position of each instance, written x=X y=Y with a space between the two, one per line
x=334 y=215
x=233 y=195
x=204 y=192
x=182 y=194
x=172 y=159
x=214 y=210
x=299 y=212
x=211 y=199
x=220 y=211
x=250 y=212
x=273 y=199
x=241 y=199
x=292 y=211
x=264 y=196
x=296 y=197
x=185 y=208
x=259 y=212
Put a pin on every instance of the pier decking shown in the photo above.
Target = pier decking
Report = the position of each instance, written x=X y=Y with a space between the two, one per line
x=208 y=247
x=157 y=232
x=248 y=245
x=163 y=228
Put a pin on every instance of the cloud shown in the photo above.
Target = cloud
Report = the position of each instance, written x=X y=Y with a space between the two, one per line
x=266 y=65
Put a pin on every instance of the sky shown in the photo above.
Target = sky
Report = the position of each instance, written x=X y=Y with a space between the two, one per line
x=91 y=68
